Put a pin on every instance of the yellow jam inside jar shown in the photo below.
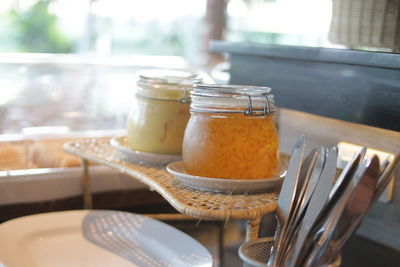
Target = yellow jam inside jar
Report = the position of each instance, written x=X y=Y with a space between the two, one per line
x=160 y=111
x=157 y=126
x=231 y=147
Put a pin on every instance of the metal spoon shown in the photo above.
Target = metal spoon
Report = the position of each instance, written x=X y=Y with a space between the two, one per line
x=362 y=182
x=317 y=201
x=354 y=211
x=341 y=183
x=311 y=170
x=386 y=176
x=287 y=197
x=339 y=186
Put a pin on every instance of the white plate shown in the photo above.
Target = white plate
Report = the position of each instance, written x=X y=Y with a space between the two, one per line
x=121 y=143
x=222 y=185
x=96 y=238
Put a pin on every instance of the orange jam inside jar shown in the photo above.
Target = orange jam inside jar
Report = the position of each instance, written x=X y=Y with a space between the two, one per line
x=231 y=133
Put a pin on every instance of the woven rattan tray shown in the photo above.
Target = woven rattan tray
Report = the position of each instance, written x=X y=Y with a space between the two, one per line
x=202 y=205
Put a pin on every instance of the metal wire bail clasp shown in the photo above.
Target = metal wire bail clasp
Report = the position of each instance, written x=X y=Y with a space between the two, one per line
x=249 y=110
x=267 y=106
x=266 y=110
x=186 y=96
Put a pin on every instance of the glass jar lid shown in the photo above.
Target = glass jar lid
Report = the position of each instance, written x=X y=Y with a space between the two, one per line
x=242 y=99
x=166 y=84
x=168 y=77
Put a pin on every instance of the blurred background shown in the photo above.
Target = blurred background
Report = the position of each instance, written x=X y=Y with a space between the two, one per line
x=78 y=57
x=156 y=27
x=67 y=67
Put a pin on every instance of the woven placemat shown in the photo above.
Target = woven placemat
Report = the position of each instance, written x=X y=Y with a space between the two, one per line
x=203 y=205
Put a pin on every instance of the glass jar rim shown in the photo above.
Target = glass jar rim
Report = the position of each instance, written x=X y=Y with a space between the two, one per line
x=230 y=90
x=235 y=99
x=167 y=77
x=166 y=84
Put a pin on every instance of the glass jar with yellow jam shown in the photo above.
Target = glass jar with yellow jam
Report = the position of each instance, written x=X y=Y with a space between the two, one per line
x=160 y=111
x=231 y=133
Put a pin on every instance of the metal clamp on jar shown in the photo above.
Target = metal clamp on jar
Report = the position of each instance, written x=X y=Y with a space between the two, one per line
x=160 y=111
x=231 y=133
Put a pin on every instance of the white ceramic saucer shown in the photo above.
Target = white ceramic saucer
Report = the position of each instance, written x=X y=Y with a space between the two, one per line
x=222 y=185
x=121 y=143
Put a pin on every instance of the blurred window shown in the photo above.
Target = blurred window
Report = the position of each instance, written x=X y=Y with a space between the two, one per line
x=363 y=25
x=286 y=22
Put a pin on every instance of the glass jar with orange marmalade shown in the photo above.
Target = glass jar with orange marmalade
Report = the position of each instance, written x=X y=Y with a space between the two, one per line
x=231 y=133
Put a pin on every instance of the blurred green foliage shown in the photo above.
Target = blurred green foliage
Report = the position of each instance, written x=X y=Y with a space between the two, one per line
x=35 y=30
